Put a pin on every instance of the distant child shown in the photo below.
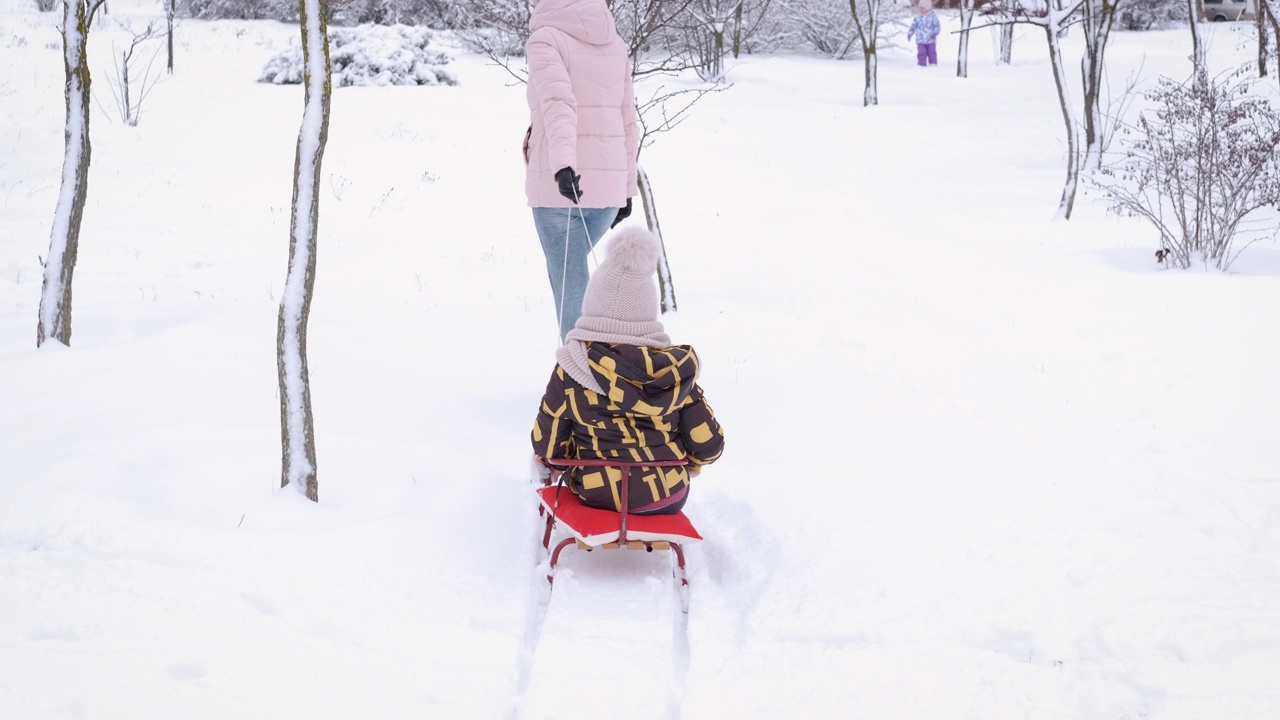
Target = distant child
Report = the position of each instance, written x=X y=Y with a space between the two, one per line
x=925 y=27
x=620 y=390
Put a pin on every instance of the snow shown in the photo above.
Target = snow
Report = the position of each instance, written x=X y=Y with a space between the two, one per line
x=980 y=464
x=370 y=55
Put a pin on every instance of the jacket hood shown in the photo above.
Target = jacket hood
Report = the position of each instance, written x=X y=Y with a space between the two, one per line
x=587 y=20
x=644 y=380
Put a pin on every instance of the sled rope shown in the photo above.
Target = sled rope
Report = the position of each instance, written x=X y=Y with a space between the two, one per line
x=564 y=269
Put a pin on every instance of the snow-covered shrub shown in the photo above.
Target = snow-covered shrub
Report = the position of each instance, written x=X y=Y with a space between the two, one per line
x=370 y=55
x=46 y=5
x=824 y=26
x=432 y=13
x=1197 y=166
x=1152 y=14
x=283 y=10
x=498 y=28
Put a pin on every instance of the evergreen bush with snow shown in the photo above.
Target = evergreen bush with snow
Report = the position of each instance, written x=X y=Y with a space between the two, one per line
x=370 y=55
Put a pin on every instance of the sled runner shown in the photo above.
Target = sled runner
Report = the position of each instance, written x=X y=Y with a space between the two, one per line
x=592 y=528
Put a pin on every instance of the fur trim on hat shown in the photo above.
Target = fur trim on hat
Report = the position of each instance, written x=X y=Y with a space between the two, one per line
x=635 y=249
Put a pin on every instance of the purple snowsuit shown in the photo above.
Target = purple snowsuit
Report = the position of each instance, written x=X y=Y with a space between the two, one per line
x=925 y=28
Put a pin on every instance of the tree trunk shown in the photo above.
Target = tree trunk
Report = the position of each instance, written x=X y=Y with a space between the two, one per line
x=1268 y=36
x=171 y=9
x=666 y=288
x=1068 y=199
x=1273 y=18
x=1264 y=35
x=868 y=29
x=1199 y=65
x=1099 y=16
x=1006 y=45
x=966 y=21
x=737 y=31
x=869 y=95
x=64 y=241
x=296 y=426
x=717 y=66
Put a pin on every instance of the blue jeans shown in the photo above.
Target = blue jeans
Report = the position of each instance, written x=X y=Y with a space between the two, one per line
x=566 y=243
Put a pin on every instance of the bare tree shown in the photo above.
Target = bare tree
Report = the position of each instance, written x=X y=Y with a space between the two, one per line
x=296 y=426
x=1268 y=19
x=824 y=26
x=1005 y=56
x=666 y=287
x=1054 y=16
x=711 y=22
x=866 y=18
x=170 y=12
x=747 y=22
x=1054 y=21
x=496 y=29
x=966 y=22
x=1195 y=14
x=133 y=81
x=1004 y=14
x=64 y=241
x=1097 y=18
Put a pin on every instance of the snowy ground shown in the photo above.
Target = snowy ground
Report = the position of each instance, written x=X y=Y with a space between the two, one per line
x=980 y=464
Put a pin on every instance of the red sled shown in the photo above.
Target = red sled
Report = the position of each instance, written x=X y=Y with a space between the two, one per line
x=592 y=528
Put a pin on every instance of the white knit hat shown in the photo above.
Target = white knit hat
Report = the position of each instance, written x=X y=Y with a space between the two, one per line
x=620 y=306
x=621 y=302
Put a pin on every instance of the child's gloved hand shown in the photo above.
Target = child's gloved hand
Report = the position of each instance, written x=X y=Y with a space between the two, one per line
x=538 y=469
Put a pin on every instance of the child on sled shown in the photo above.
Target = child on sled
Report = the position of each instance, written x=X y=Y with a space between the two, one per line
x=621 y=390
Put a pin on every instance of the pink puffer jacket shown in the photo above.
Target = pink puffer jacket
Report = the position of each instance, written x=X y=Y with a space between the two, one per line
x=581 y=105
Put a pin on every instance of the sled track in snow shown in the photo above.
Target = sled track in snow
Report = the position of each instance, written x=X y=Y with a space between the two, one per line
x=540 y=601
x=534 y=674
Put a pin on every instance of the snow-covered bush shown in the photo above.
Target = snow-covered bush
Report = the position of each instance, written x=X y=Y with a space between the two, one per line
x=432 y=13
x=1197 y=166
x=824 y=26
x=1152 y=14
x=370 y=55
x=283 y=10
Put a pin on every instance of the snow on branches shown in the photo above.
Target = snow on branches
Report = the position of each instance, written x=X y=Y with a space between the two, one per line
x=370 y=55
x=1205 y=159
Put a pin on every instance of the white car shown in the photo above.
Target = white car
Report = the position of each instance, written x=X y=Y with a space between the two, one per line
x=1224 y=10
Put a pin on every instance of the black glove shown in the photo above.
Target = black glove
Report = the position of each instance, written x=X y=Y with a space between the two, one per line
x=624 y=212
x=569 y=184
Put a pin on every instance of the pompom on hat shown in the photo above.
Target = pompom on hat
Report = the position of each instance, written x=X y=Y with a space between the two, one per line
x=621 y=302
